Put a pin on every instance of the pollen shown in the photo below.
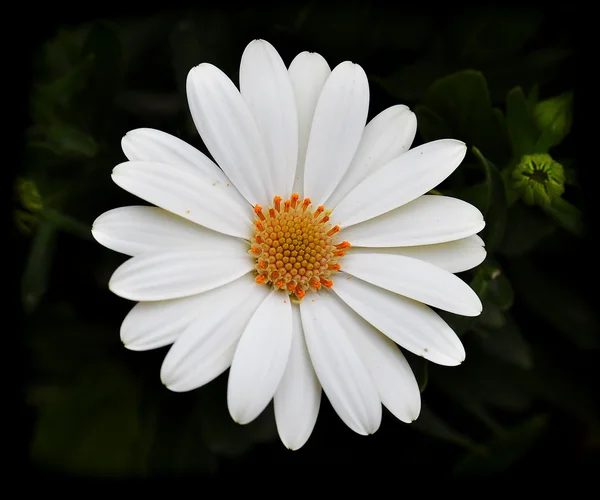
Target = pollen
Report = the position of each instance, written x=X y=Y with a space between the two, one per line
x=295 y=248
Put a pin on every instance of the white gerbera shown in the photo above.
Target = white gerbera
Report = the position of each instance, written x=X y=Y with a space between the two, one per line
x=306 y=292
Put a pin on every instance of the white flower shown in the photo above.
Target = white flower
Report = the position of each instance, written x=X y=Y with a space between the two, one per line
x=292 y=293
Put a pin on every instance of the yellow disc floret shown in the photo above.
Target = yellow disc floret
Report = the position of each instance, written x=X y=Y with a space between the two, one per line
x=295 y=246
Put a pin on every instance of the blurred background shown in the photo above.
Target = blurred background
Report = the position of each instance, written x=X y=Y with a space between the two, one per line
x=500 y=79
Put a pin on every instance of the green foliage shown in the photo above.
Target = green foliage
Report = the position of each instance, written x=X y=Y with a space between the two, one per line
x=462 y=102
x=566 y=215
x=554 y=117
x=506 y=342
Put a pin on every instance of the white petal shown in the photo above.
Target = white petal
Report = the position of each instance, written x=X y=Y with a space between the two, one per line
x=386 y=137
x=401 y=180
x=427 y=220
x=178 y=273
x=415 y=279
x=229 y=132
x=266 y=87
x=454 y=256
x=190 y=196
x=407 y=322
x=337 y=128
x=308 y=72
x=260 y=358
x=344 y=377
x=205 y=349
x=298 y=396
x=150 y=325
x=147 y=144
x=391 y=373
x=137 y=230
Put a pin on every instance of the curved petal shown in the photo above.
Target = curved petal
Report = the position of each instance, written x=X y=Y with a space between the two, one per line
x=341 y=372
x=147 y=144
x=427 y=220
x=178 y=273
x=401 y=180
x=453 y=256
x=205 y=349
x=337 y=128
x=229 y=131
x=407 y=322
x=260 y=358
x=386 y=137
x=265 y=86
x=136 y=230
x=150 y=325
x=190 y=196
x=415 y=279
x=298 y=396
x=308 y=73
x=391 y=373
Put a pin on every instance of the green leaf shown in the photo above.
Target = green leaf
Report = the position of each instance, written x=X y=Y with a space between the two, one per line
x=431 y=424
x=431 y=126
x=476 y=195
x=533 y=97
x=526 y=227
x=503 y=450
x=462 y=100
x=495 y=210
x=34 y=281
x=67 y=223
x=93 y=427
x=554 y=118
x=499 y=291
x=522 y=130
x=566 y=215
x=490 y=317
x=506 y=343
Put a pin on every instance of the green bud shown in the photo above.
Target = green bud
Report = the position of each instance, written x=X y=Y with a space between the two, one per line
x=553 y=117
x=538 y=179
x=29 y=196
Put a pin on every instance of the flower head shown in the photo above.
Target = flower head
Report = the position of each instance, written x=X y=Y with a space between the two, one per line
x=538 y=179
x=306 y=257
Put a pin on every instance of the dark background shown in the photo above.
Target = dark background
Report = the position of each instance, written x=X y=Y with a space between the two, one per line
x=525 y=397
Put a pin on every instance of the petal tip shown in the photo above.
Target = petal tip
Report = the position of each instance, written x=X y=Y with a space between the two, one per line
x=293 y=446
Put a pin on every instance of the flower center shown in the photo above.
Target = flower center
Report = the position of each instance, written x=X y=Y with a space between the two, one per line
x=295 y=246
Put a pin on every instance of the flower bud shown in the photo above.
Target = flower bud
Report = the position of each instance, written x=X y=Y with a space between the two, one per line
x=538 y=179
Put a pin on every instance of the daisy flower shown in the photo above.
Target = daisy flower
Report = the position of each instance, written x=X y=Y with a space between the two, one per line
x=303 y=254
